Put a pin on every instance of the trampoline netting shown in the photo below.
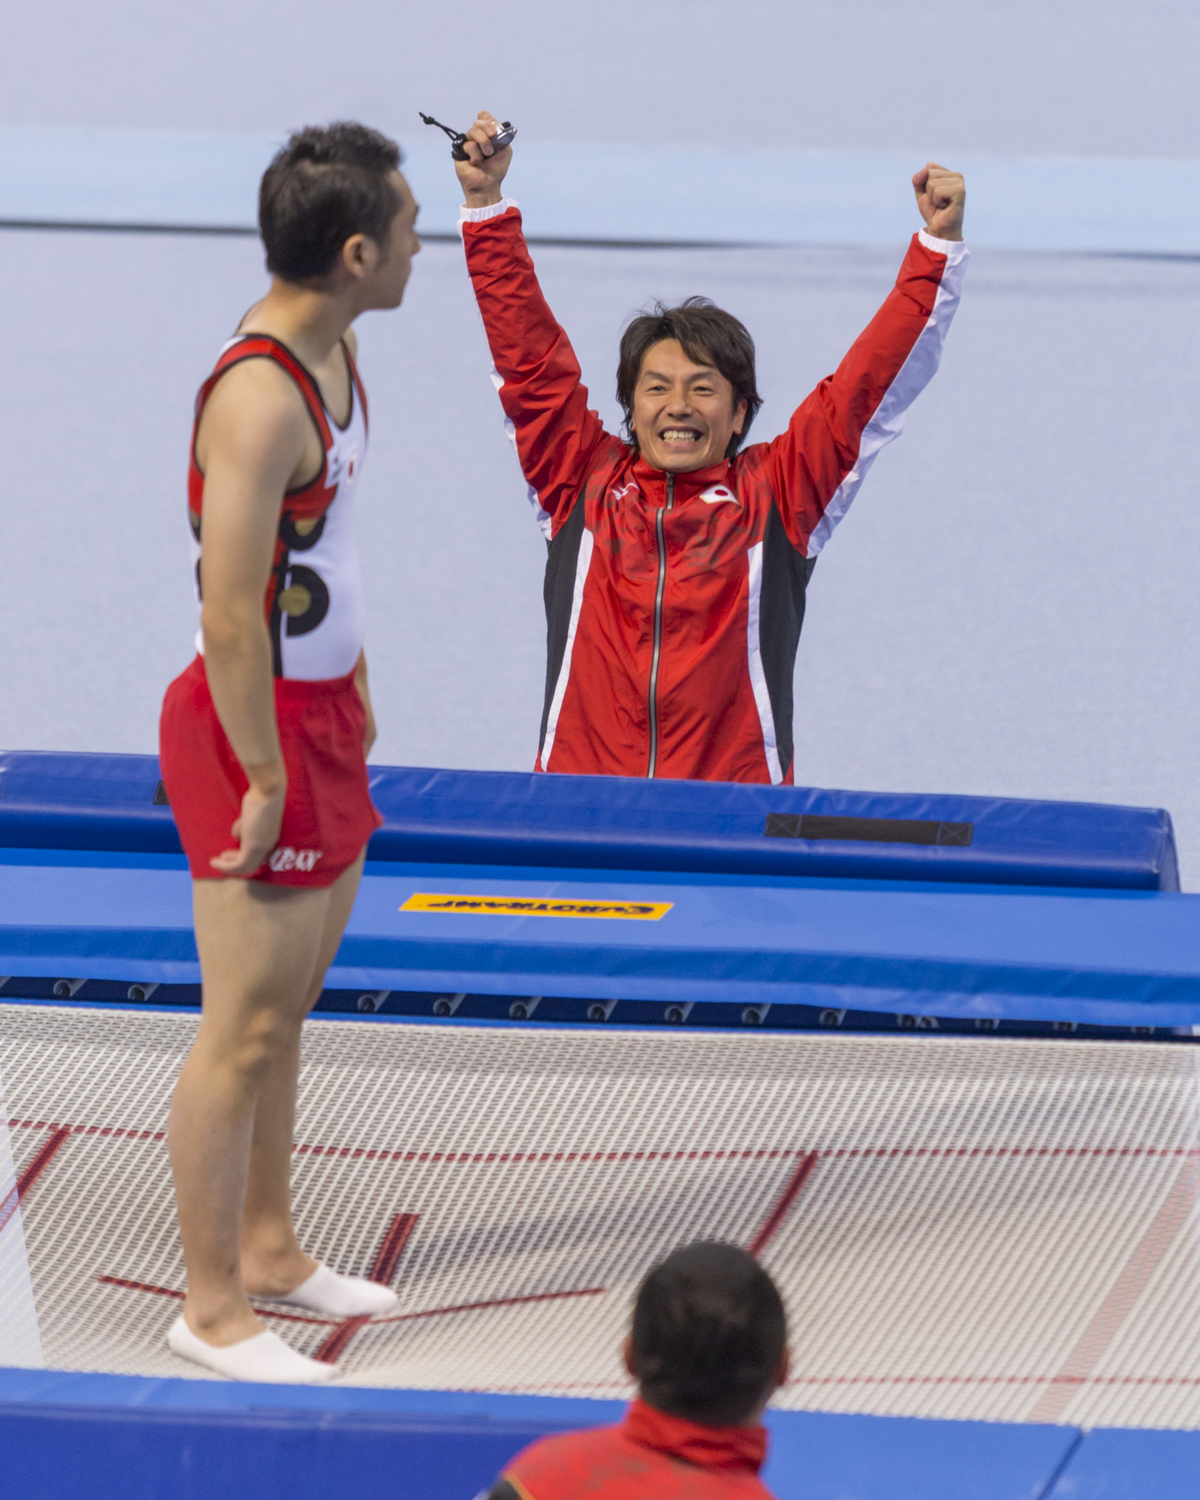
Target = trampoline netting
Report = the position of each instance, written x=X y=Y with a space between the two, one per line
x=968 y=1228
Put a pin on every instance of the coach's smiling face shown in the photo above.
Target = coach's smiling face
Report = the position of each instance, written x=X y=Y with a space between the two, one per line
x=684 y=416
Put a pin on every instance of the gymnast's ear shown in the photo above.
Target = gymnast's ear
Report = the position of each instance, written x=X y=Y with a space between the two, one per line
x=360 y=256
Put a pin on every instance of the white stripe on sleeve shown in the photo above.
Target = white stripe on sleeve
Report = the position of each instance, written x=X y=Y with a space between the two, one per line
x=482 y=215
x=913 y=376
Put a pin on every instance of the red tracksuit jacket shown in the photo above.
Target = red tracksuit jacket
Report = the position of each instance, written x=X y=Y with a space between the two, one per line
x=674 y=602
x=650 y=1456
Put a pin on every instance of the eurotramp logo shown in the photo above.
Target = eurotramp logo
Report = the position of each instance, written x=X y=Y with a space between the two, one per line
x=537 y=906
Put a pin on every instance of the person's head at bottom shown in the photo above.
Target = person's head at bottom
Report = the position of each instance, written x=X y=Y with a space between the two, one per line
x=709 y=1336
x=707 y=1348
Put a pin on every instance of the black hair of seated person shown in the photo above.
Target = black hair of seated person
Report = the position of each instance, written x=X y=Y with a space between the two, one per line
x=328 y=183
x=709 y=1332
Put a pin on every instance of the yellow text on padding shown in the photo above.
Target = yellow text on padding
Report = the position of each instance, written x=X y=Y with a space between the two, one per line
x=539 y=906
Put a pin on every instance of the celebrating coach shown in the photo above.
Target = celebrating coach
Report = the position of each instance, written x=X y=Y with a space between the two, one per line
x=678 y=560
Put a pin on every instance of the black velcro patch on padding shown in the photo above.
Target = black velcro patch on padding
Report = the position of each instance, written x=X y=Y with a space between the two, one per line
x=868 y=830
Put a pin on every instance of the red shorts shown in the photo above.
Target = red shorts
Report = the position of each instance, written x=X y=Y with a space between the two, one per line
x=327 y=815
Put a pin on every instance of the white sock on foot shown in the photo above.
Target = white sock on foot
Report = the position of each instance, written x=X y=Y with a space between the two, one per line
x=265 y=1358
x=340 y=1296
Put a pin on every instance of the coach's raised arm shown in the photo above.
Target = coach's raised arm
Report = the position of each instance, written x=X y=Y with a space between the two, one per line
x=679 y=560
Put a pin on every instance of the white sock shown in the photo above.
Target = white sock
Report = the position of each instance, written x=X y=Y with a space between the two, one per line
x=265 y=1358
x=340 y=1296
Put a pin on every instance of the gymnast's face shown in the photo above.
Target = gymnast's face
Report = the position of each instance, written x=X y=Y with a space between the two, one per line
x=684 y=415
x=391 y=264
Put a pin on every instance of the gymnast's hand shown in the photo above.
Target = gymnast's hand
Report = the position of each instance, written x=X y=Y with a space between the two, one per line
x=940 y=198
x=256 y=829
x=482 y=175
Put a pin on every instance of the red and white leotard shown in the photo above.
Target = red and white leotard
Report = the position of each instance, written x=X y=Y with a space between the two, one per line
x=314 y=610
x=314 y=599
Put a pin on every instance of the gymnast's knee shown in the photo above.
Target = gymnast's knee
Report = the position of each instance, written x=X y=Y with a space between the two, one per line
x=263 y=1038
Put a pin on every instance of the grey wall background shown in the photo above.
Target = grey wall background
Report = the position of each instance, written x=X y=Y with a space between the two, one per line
x=1011 y=606
x=1090 y=77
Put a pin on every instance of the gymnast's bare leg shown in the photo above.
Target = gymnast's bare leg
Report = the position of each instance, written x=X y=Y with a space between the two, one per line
x=263 y=950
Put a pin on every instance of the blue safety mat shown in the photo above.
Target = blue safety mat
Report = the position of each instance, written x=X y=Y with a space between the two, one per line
x=57 y=801
x=828 y=1456
x=92 y=1437
x=622 y=823
x=1125 y=1464
x=1112 y=958
x=105 y=1453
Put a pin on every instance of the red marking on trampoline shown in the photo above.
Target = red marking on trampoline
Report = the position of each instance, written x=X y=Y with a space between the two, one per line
x=506 y=1158
x=60 y=1134
x=335 y=1344
x=392 y=1248
x=624 y=1388
x=1128 y=1287
x=360 y=1322
x=132 y=1135
x=1076 y=1372
x=539 y=1158
x=783 y=1204
x=456 y=1158
x=58 y=1139
x=457 y=1307
x=166 y=1291
x=765 y=1153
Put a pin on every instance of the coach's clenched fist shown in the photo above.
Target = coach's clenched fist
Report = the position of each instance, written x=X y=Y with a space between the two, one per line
x=483 y=172
x=940 y=198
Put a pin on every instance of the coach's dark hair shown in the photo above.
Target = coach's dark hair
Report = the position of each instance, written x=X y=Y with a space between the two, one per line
x=709 y=1331
x=708 y=336
x=329 y=182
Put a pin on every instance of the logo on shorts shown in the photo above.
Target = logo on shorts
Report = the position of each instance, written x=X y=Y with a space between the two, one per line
x=295 y=859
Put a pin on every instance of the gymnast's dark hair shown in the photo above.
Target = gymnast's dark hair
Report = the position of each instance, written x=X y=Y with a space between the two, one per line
x=708 y=336
x=329 y=182
x=709 y=1331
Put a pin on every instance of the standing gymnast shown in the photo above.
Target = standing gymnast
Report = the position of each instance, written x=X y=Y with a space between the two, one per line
x=264 y=737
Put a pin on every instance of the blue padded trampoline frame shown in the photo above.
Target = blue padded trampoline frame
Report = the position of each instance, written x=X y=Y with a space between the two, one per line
x=110 y=1437
x=1091 y=870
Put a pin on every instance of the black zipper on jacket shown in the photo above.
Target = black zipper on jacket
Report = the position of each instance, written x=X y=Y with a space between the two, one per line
x=658 y=607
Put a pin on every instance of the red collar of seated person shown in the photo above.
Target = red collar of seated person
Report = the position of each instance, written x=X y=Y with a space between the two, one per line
x=734 y=1448
x=650 y=1454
